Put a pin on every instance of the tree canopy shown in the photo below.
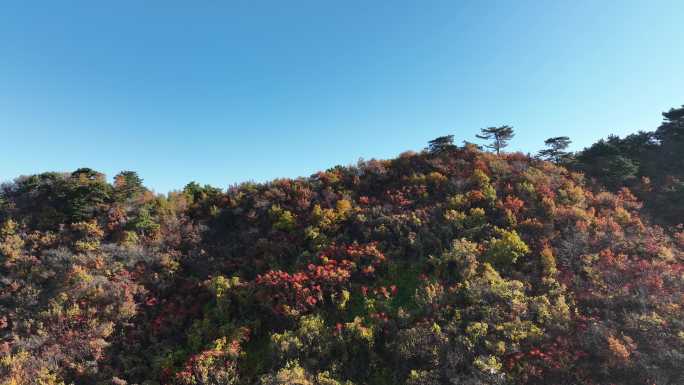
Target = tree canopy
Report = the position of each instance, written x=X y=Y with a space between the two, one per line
x=441 y=144
x=500 y=136
x=649 y=163
x=556 y=149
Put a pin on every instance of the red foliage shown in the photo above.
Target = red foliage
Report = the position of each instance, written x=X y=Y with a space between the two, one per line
x=305 y=289
x=513 y=203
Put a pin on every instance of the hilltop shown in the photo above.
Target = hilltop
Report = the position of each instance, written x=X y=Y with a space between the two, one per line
x=448 y=266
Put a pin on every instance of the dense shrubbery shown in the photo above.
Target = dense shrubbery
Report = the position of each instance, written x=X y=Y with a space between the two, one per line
x=452 y=266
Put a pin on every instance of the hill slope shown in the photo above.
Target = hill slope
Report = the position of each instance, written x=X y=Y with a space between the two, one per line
x=447 y=267
x=650 y=163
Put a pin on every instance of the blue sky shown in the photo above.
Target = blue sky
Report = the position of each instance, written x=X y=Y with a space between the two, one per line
x=224 y=91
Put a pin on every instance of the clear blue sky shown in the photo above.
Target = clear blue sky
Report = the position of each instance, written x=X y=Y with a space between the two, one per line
x=223 y=91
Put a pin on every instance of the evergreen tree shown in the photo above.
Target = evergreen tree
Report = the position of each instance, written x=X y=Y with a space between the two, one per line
x=87 y=191
x=441 y=144
x=670 y=134
x=127 y=185
x=556 y=152
x=500 y=136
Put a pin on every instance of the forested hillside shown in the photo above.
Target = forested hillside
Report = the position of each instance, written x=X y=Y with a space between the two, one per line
x=448 y=266
x=650 y=163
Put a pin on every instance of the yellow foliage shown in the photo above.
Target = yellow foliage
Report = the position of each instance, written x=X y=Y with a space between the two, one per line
x=87 y=235
x=457 y=201
x=342 y=299
x=220 y=285
x=343 y=207
x=357 y=328
x=283 y=219
x=436 y=178
x=488 y=364
x=325 y=218
x=506 y=249
x=11 y=244
x=622 y=216
x=548 y=262
x=18 y=371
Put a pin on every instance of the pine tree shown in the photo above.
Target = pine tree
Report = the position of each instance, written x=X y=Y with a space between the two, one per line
x=441 y=144
x=556 y=152
x=499 y=135
x=127 y=185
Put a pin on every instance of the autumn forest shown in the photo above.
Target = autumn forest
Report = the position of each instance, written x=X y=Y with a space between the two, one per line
x=464 y=263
